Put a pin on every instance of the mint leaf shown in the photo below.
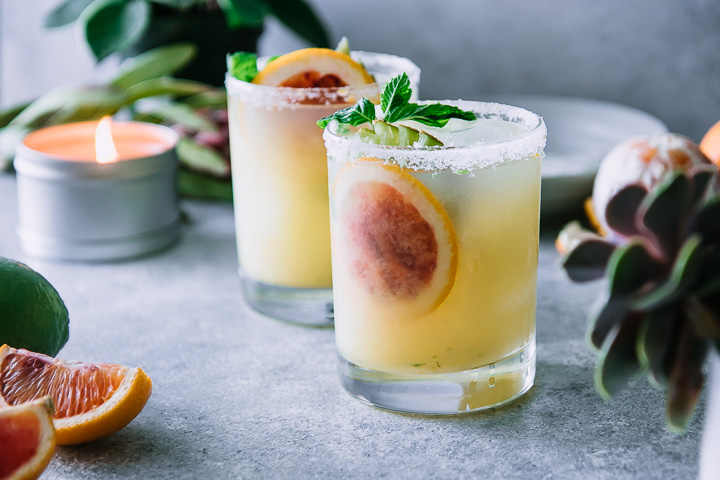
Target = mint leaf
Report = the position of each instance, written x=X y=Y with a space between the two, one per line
x=243 y=66
x=395 y=94
x=433 y=114
x=361 y=112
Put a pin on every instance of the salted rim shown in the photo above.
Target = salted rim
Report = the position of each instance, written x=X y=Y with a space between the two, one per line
x=454 y=158
x=375 y=63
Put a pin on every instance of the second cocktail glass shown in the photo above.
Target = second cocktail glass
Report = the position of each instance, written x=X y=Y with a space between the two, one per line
x=280 y=189
x=435 y=261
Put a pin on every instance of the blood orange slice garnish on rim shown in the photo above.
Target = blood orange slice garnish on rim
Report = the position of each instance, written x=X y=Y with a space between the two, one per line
x=92 y=400
x=395 y=238
x=313 y=67
x=27 y=439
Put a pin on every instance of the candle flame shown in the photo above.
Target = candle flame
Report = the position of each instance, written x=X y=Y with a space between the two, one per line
x=105 y=151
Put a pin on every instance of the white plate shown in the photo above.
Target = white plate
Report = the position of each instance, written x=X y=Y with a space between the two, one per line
x=581 y=131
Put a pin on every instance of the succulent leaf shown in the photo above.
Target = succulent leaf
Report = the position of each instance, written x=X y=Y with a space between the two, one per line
x=707 y=221
x=684 y=274
x=588 y=260
x=655 y=339
x=618 y=359
x=703 y=177
x=704 y=317
x=607 y=313
x=664 y=209
x=622 y=207
x=686 y=381
x=631 y=267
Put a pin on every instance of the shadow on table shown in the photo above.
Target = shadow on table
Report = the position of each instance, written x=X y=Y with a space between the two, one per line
x=133 y=449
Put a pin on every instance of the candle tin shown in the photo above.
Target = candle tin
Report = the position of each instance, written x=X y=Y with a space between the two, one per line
x=71 y=209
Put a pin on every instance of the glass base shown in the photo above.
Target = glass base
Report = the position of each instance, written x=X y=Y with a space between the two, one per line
x=301 y=306
x=444 y=393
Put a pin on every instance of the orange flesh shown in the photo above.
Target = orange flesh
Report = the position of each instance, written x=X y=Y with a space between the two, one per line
x=19 y=437
x=75 y=387
x=313 y=79
x=396 y=247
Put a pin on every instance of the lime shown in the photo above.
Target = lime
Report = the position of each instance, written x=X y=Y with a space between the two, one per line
x=32 y=314
x=383 y=133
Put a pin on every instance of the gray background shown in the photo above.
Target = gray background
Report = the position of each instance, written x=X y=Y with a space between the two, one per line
x=662 y=56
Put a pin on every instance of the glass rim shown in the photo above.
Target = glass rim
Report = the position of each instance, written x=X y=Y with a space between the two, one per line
x=456 y=158
x=266 y=94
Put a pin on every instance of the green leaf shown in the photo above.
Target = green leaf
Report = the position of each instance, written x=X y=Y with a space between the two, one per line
x=239 y=13
x=631 y=267
x=202 y=159
x=703 y=177
x=112 y=25
x=158 y=62
x=703 y=317
x=355 y=115
x=434 y=115
x=299 y=17
x=707 y=221
x=166 y=86
x=655 y=341
x=621 y=210
x=685 y=271
x=686 y=381
x=664 y=209
x=177 y=113
x=7 y=115
x=211 y=99
x=66 y=13
x=395 y=94
x=242 y=65
x=588 y=259
x=191 y=184
x=70 y=103
x=618 y=359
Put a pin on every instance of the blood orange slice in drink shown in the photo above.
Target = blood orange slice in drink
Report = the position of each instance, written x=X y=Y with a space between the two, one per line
x=313 y=67
x=27 y=439
x=394 y=237
x=92 y=400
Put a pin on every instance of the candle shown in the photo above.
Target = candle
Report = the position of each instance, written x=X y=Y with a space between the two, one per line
x=97 y=190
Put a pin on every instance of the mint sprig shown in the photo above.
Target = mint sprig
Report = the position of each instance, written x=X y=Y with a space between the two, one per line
x=242 y=65
x=361 y=112
x=395 y=106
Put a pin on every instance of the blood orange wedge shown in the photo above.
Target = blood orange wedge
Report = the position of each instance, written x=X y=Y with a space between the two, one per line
x=27 y=439
x=313 y=67
x=92 y=400
x=394 y=238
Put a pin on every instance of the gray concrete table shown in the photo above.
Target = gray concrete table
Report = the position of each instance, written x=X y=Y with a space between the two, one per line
x=237 y=395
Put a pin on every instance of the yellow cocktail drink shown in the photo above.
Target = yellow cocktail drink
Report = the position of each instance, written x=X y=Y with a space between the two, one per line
x=435 y=261
x=280 y=186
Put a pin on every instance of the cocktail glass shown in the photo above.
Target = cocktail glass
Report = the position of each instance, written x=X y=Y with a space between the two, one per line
x=434 y=254
x=280 y=193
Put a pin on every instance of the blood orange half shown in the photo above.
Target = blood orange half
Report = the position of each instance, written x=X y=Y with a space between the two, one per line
x=394 y=240
x=92 y=400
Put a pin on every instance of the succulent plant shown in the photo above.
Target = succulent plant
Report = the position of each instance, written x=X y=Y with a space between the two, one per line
x=660 y=313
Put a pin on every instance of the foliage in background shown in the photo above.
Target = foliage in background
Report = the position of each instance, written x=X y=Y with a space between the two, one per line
x=111 y=26
x=143 y=89
x=661 y=311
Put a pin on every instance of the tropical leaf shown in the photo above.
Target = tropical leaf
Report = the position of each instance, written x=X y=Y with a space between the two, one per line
x=158 y=62
x=66 y=13
x=299 y=17
x=112 y=25
x=166 y=86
